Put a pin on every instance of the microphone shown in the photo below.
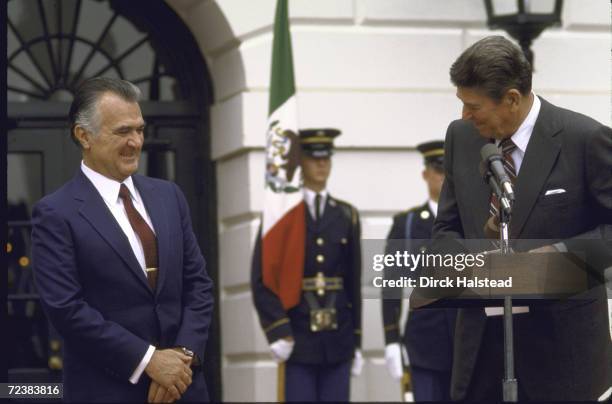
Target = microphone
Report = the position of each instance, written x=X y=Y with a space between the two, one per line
x=493 y=161
x=490 y=179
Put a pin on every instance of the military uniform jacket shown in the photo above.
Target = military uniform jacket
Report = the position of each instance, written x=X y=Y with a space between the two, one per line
x=428 y=333
x=333 y=248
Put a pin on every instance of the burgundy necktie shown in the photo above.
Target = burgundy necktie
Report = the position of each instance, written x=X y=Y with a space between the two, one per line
x=507 y=146
x=144 y=233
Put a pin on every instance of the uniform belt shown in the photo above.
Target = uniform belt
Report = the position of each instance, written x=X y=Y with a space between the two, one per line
x=322 y=318
x=321 y=283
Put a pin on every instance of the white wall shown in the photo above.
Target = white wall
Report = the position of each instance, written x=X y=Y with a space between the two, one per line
x=378 y=70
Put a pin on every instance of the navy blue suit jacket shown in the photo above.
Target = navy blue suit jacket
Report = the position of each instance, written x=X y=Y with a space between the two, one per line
x=96 y=295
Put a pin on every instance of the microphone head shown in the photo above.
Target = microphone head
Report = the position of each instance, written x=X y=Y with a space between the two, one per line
x=489 y=151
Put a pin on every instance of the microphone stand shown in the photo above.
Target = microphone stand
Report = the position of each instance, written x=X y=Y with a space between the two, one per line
x=509 y=383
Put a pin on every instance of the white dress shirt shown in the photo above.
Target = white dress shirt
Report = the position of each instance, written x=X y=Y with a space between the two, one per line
x=309 y=198
x=523 y=134
x=521 y=140
x=433 y=206
x=109 y=191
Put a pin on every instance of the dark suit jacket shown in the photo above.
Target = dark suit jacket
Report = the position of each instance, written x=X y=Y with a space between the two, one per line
x=96 y=295
x=562 y=348
x=336 y=237
x=428 y=333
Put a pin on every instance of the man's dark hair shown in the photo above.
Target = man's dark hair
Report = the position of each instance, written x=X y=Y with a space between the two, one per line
x=493 y=65
x=83 y=108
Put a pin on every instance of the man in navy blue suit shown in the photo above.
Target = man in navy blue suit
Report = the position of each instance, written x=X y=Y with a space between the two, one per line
x=117 y=266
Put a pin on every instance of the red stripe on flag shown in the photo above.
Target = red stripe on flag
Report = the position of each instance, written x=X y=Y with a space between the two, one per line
x=283 y=256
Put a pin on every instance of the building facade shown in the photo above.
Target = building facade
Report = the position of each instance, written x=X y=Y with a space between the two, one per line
x=378 y=70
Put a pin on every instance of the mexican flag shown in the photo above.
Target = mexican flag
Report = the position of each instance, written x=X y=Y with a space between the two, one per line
x=283 y=221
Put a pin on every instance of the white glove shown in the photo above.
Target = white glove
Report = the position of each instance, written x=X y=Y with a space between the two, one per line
x=393 y=360
x=281 y=350
x=357 y=366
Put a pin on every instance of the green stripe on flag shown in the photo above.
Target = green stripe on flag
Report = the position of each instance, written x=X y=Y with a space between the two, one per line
x=282 y=81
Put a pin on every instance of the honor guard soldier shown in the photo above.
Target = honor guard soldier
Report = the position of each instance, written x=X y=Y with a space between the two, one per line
x=428 y=333
x=317 y=343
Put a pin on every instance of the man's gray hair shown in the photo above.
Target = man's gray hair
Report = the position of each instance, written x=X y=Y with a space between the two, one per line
x=83 y=110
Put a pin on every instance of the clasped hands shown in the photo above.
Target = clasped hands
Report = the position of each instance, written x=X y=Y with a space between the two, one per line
x=170 y=373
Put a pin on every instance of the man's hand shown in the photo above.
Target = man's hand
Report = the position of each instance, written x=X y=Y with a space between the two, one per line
x=159 y=394
x=281 y=349
x=179 y=350
x=170 y=370
x=544 y=249
x=491 y=227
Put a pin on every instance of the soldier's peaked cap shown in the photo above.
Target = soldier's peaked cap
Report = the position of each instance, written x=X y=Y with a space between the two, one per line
x=318 y=143
x=433 y=153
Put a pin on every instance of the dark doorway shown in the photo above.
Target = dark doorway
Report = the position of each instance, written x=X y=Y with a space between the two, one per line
x=53 y=45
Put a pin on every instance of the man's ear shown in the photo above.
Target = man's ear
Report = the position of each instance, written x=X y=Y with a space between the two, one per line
x=513 y=97
x=82 y=136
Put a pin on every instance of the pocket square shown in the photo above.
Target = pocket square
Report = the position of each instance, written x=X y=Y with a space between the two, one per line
x=555 y=191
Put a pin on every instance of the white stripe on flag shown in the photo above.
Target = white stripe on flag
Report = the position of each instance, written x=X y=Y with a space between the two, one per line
x=277 y=204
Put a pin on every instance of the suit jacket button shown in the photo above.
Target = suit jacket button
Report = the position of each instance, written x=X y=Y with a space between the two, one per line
x=320 y=241
x=320 y=258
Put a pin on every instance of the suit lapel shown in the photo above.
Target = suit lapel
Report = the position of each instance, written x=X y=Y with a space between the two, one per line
x=540 y=156
x=156 y=209
x=95 y=211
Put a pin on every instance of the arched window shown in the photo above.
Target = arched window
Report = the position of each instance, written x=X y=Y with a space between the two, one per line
x=53 y=45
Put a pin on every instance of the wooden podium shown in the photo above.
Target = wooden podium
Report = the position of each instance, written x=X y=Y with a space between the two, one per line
x=533 y=276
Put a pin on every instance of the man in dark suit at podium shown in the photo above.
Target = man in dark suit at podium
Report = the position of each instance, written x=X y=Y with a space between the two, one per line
x=428 y=332
x=117 y=266
x=561 y=162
